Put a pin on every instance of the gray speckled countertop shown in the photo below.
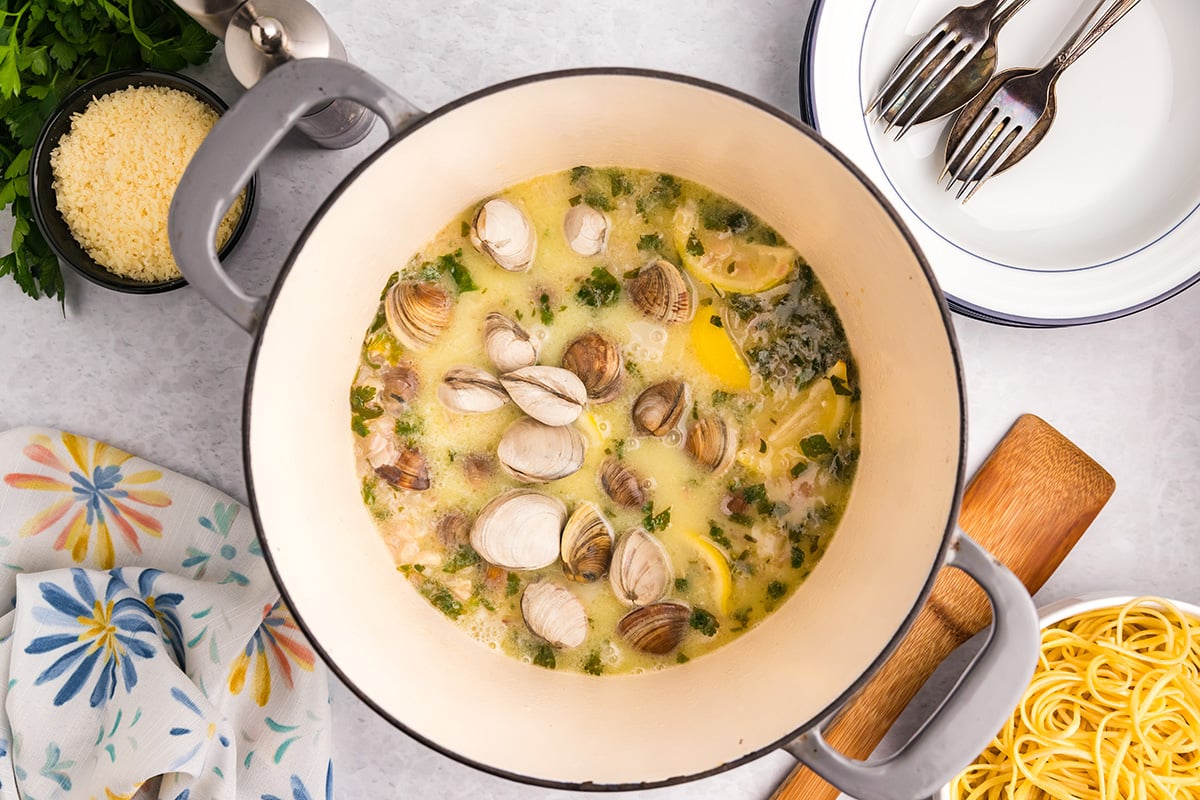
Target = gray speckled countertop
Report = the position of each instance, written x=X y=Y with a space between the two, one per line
x=162 y=375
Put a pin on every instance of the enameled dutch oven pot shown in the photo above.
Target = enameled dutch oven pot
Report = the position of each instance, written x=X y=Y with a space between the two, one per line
x=770 y=688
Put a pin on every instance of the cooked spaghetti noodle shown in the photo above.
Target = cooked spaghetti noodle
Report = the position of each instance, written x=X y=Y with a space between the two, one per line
x=1112 y=712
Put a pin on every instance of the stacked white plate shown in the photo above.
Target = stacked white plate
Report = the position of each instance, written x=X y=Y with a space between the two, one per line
x=1100 y=220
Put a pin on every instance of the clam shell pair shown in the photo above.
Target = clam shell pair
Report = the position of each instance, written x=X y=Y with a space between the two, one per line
x=661 y=292
x=533 y=452
x=417 y=312
x=504 y=233
x=410 y=471
x=659 y=408
x=597 y=362
x=519 y=530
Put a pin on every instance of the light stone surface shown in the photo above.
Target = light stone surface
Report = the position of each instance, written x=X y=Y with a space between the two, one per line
x=162 y=376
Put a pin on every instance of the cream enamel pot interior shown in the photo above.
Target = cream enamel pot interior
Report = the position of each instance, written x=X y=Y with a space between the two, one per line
x=770 y=688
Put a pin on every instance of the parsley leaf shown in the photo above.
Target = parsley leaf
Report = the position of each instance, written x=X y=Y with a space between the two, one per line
x=655 y=522
x=599 y=290
x=815 y=446
x=704 y=622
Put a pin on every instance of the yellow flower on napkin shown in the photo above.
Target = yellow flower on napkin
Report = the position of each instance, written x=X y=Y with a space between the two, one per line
x=97 y=493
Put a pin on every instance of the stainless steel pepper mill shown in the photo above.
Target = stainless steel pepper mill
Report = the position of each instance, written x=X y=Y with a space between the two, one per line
x=262 y=34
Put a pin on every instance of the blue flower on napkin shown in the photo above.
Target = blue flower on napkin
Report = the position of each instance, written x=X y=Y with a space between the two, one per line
x=165 y=608
x=105 y=636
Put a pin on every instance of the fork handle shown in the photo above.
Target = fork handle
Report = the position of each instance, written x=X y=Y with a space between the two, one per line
x=1005 y=12
x=1091 y=30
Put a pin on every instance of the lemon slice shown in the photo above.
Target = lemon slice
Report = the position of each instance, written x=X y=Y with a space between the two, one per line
x=717 y=353
x=820 y=409
x=714 y=559
x=727 y=262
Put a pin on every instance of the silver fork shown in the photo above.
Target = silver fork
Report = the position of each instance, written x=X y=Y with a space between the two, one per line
x=946 y=68
x=1014 y=111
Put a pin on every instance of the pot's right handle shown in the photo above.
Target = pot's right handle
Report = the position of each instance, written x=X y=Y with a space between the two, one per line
x=969 y=717
x=238 y=144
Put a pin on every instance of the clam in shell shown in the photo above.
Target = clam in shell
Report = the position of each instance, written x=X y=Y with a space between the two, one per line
x=587 y=542
x=586 y=229
x=553 y=613
x=519 y=530
x=478 y=468
x=640 y=572
x=508 y=345
x=598 y=363
x=453 y=529
x=658 y=409
x=621 y=484
x=417 y=312
x=535 y=453
x=658 y=628
x=400 y=385
x=551 y=395
x=471 y=390
x=503 y=233
x=408 y=472
x=712 y=442
x=660 y=291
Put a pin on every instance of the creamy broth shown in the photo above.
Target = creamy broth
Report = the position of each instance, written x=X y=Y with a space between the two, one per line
x=762 y=359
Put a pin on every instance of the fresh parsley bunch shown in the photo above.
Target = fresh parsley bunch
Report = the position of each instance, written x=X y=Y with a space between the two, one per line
x=47 y=48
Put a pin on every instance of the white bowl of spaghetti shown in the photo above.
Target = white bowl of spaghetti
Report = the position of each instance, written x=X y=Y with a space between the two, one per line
x=1112 y=712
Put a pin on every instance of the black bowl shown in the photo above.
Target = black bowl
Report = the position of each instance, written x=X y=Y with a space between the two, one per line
x=41 y=179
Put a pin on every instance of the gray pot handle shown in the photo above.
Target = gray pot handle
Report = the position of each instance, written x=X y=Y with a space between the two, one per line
x=235 y=148
x=968 y=718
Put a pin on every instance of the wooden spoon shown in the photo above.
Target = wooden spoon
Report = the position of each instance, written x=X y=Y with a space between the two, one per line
x=1028 y=504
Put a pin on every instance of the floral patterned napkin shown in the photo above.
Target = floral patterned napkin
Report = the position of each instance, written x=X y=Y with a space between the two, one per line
x=144 y=637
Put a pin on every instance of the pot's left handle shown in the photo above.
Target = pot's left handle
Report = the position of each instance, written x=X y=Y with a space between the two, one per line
x=238 y=144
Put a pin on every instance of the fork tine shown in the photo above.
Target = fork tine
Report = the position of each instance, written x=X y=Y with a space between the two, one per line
x=972 y=160
x=902 y=70
x=916 y=85
x=998 y=157
x=952 y=67
x=915 y=89
x=975 y=163
x=967 y=143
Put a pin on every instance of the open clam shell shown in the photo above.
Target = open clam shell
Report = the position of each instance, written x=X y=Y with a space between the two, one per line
x=661 y=292
x=504 y=233
x=657 y=628
x=410 y=471
x=658 y=409
x=471 y=390
x=508 y=345
x=536 y=453
x=519 y=530
x=712 y=442
x=553 y=613
x=587 y=542
x=417 y=312
x=551 y=395
x=621 y=484
x=586 y=229
x=453 y=529
x=598 y=363
x=640 y=572
x=400 y=386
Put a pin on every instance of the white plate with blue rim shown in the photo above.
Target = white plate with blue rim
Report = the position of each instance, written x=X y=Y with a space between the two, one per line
x=1099 y=221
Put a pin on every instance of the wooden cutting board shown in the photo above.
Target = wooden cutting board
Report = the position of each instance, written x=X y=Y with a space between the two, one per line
x=1028 y=504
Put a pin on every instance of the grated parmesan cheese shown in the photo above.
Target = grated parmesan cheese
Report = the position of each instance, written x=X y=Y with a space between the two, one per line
x=116 y=171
